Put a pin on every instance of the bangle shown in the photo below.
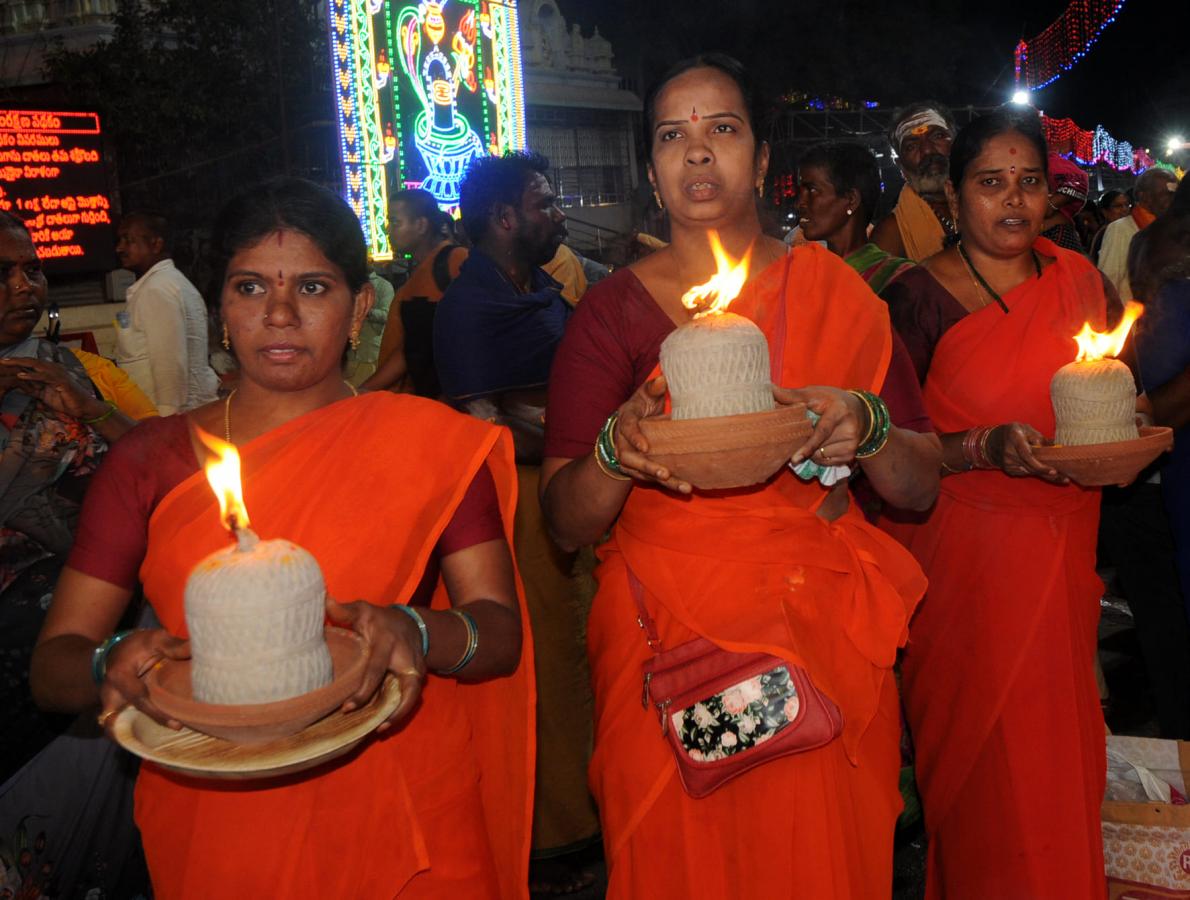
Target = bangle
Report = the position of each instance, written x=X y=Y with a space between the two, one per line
x=100 y=654
x=421 y=626
x=603 y=467
x=880 y=425
x=472 y=642
x=605 y=445
x=103 y=416
x=975 y=447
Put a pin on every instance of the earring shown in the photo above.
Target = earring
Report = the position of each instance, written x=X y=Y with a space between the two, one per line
x=354 y=340
x=657 y=198
x=760 y=189
x=226 y=338
x=850 y=211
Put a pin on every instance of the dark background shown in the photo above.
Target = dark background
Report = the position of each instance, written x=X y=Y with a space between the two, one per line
x=1135 y=81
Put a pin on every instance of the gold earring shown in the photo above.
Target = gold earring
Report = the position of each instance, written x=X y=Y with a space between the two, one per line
x=657 y=198
x=760 y=189
x=354 y=340
x=226 y=338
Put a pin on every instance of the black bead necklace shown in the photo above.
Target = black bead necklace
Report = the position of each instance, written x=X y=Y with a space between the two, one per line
x=983 y=282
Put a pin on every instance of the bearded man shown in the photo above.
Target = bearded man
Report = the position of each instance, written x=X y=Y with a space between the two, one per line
x=921 y=135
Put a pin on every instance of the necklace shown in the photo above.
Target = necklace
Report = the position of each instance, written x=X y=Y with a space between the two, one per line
x=980 y=282
x=227 y=409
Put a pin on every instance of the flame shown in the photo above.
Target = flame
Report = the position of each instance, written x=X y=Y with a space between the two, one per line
x=1095 y=345
x=714 y=296
x=223 y=473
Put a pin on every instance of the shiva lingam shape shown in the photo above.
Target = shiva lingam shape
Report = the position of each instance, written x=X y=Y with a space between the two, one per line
x=1094 y=397
x=254 y=610
x=725 y=429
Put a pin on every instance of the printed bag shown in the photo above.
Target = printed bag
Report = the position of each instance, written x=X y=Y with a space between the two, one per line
x=724 y=713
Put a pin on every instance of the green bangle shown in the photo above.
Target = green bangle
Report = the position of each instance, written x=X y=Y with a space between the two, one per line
x=421 y=626
x=100 y=654
x=104 y=416
x=605 y=446
x=877 y=436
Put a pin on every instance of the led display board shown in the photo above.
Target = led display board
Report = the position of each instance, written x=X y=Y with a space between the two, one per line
x=52 y=176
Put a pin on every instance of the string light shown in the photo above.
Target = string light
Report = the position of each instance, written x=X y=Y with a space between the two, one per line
x=1066 y=40
x=457 y=66
x=1089 y=148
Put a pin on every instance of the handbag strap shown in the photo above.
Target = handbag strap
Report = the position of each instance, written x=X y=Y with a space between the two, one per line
x=643 y=619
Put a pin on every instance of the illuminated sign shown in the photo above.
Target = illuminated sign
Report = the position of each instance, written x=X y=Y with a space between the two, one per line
x=52 y=177
x=422 y=89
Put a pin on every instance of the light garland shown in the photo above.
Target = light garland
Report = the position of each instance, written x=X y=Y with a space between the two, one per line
x=422 y=89
x=1066 y=40
x=1089 y=148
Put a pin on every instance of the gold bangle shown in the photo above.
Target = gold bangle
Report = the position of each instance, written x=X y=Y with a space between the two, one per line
x=605 y=470
x=859 y=395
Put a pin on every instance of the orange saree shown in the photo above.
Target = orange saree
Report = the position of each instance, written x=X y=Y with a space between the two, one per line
x=998 y=681
x=440 y=809
x=758 y=570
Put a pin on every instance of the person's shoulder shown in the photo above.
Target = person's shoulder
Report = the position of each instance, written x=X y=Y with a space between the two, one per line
x=612 y=294
x=431 y=415
x=150 y=438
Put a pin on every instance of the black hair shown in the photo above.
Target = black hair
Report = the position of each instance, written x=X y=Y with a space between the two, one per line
x=292 y=204
x=729 y=66
x=913 y=109
x=420 y=205
x=154 y=223
x=493 y=181
x=1181 y=198
x=12 y=222
x=972 y=137
x=1107 y=198
x=849 y=167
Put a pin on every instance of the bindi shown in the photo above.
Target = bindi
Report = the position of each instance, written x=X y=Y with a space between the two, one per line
x=693 y=114
x=280 y=278
x=1012 y=151
x=1012 y=170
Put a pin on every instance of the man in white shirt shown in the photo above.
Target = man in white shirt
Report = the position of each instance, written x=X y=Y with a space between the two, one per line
x=1154 y=193
x=161 y=338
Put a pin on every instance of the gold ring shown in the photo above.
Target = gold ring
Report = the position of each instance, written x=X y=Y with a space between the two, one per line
x=104 y=716
x=822 y=450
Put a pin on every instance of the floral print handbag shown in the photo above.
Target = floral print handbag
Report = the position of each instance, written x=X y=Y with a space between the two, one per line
x=724 y=713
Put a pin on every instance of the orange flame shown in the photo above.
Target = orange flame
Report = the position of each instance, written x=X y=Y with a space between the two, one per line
x=714 y=296
x=223 y=473
x=1095 y=345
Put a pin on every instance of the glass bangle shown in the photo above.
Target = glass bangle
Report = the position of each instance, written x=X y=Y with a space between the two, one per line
x=100 y=654
x=472 y=642
x=421 y=626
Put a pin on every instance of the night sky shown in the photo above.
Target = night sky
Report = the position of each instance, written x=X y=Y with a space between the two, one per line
x=1135 y=81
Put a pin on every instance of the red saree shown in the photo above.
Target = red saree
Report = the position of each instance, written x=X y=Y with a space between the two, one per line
x=412 y=814
x=757 y=569
x=998 y=681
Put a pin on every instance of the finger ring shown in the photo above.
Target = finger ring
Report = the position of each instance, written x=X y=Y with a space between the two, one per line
x=104 y=716
x=822 y=450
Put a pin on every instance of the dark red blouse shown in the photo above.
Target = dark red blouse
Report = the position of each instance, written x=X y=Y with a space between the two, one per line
x=611 y=347
x=157 y=456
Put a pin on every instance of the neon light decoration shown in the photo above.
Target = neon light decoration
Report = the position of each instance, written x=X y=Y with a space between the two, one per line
x=422 y=89
x=1063 y=43
x=1087 y=148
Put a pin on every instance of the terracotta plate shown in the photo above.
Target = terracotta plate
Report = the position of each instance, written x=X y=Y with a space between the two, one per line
x=727 y=451
x=169 y=687
x=1102 y=464
x=203 y=756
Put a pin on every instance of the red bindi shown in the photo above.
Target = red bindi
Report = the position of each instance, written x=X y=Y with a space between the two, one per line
x=1012 y=150
x=693 y=114
x=280 y=278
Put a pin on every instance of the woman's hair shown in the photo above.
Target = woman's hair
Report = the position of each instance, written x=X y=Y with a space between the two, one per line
x=728 y=65
x=849 y=167
x=973 y=136
x=1107 y=198
x=10 y=222
x=291 y=204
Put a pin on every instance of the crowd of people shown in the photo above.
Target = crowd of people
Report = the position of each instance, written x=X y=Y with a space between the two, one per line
x=451 y=450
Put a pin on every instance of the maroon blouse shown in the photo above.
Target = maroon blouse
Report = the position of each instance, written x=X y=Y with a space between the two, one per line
x=611 y=347
x=157 y=456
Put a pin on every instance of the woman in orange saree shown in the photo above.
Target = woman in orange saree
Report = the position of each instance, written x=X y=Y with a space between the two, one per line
x=788 y=567
x=437 y=804
x=997 y=677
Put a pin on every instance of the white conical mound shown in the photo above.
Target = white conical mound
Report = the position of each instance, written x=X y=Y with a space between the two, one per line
x=717 y=366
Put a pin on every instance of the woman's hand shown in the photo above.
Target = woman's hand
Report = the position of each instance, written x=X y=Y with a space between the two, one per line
x=840 y=425
x=393 y=644
x=51 y=384
x=1010 y=448
x=127 y=665
x=631 y=446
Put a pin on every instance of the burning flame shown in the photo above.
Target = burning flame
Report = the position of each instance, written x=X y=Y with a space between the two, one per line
x=714 y=296
x=1095 y=345
x=223 y=473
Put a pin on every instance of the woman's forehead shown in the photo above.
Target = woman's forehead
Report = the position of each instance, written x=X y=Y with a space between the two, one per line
x=700 y=91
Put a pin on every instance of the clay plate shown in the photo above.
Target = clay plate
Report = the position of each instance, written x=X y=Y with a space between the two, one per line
x=727 y=451
x=1101 y=464
x=169 y=688
x=193 y=753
